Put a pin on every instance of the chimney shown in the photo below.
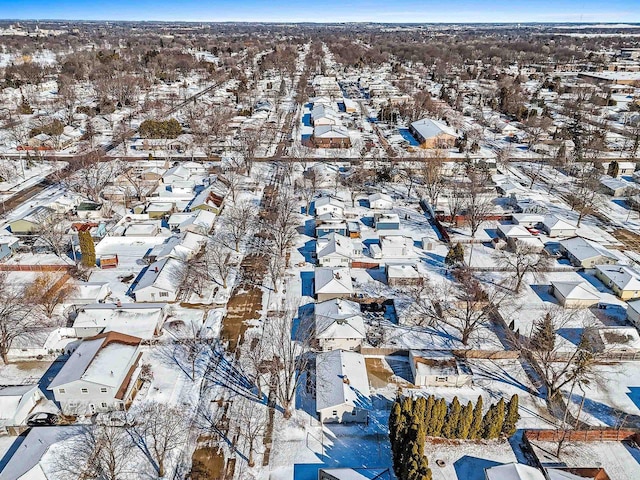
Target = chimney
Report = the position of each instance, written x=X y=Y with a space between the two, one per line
x=345 y=380
x=156 y=269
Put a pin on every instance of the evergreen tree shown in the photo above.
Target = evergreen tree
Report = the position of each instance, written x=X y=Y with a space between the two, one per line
x=476 y=425
x=614 y=169
x=438 y=417
x=511 y=417
x=466 y=418
x=428 y=411
x=455 y=256
x=544 y=335
x=87 y=248
x=453 y=418
x=500 y=416
x=488 y=422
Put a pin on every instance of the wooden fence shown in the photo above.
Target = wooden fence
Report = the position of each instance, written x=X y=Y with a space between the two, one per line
x=35 y=268
x=488 y=354
x=590 y=435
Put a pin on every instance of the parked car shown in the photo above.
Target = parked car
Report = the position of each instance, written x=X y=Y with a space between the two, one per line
x=42 y=419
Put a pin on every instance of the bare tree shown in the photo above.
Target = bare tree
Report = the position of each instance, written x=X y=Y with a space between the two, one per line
x=47 y=294
x=98 y=451
x=218 y=258
x=189 y=350
x=477 y=201
x=159 y=430
x=19 y=315
x=280 y=223
x=290 y=356
x=236 y=221
x=430 y=174
x=520 y=259
x=462 y=305
x=251 y=424
x=52 y=231
x=586 y=196
x=557 y=364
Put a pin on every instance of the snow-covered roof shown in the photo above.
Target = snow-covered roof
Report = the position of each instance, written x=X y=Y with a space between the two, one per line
x=103 y=359
x=341 y=378
x=514 y=231
x=402 y=271
x=613 y=183
x=88 y=291
x=335 y=244
x=359 y=473
x=552 y=222
x=432 y=128
x=324 y=201
x=164 y=274
x=576 y=290
x=622 y=276
x=583 y=249
x=13 y=399
x=513 y=471
x=31 y=448
x=528 y=217
x=330 y=131
x=380 y=196
x=333 y=280
x=138 y=319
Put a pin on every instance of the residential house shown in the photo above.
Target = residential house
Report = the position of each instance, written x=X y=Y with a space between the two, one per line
x=46 y=341
x=209 y=199
x=624 y=168
x=574 y=294
x=31 y=221
x=338 y=325
x=393 y=246
x=330 y=283
x=633 y=312
x=557 y=227
x=403 y=275
x=624 y=281
x=324 y=205
x=586 y=254
x=200 y=221
x=434 y=368
x=527 y=220
x=380 y=201
x=386 y=221
x=175 y=174
x=331 y=136
x=160 y=282
x=160 y=210
x=9 y=245
x=433 y=134
x=16 y=404
x=513 y=471
x=102 y=375
x=142 y=320
x=342 y=387
x=34 y=456
x=330 y=223
x=512 y=231
x=335 y=250
x=614 y=186
x=182 y=246
x=355 y=474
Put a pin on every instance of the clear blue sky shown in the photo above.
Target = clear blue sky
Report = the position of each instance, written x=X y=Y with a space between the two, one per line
x=328 y=10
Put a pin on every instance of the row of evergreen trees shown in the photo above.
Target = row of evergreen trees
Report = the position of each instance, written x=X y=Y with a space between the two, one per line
x=413 y=420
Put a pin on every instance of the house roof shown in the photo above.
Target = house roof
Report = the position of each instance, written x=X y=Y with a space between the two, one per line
x=164 y=274
x=514 y=231
x=333 y=280
x=622 y=276
x=432 y=128
x=12 y=398
x=613 y=183
x=513 y=471
x=139 y=319
x=335 y=244
x=31 y=448
x=359 y=473
x=402 y=271
x=380 y=196
x=324 y=201
x=583 y=249
x=576 y=290
x=103 y=359
x=553 y=222
x=341 y=378
x=330 y=131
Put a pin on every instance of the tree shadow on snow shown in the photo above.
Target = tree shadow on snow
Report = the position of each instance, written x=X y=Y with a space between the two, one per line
x=472 y=468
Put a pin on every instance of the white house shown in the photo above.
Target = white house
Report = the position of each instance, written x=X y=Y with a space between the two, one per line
x=527 y=220
x=393 y=246
x=513 y=471
x=35 y=454
x=436 y=368
x=633 y=312
x=355 y=474
x=102 y=375
x=342 y=387
x=575 y=294
x=336 y=250
x=513 y=231
x=16 y=403
x=175 y=174
x=402 y=274
x=338 y=325
x=199 y=221
x=331 y=205
x=330 y=283
x=585 y=253
x=624 y=281
x=143 y=320
x=557 y=227
x=613 y=186
x=380 y=201
x=160 y=282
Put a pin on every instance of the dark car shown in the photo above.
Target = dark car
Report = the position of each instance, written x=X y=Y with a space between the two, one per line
x=42 y=419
